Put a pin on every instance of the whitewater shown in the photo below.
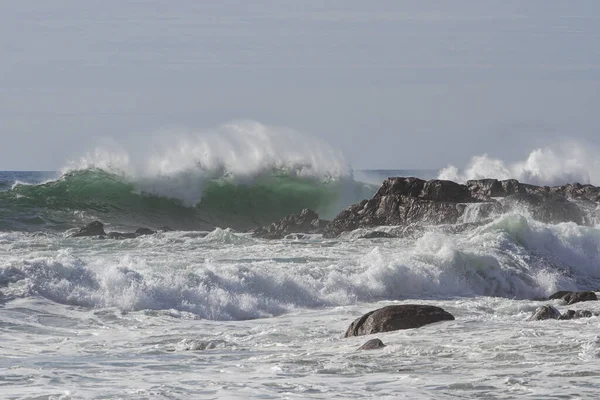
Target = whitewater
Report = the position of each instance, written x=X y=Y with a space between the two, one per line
x=206 y=310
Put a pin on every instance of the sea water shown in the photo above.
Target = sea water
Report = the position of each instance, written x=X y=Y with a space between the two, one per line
x=207 y=311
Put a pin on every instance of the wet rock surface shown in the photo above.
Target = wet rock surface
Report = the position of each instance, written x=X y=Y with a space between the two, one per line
x=574 y=297
x=306 y=222
x=549 y=312
x=404 y=201
x=95 y=228
x=397 y=317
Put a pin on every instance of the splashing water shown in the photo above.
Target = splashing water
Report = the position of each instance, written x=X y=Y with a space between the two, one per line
x=553 y=165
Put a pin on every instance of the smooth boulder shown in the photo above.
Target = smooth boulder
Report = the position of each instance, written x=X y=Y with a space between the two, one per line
x=396 y=317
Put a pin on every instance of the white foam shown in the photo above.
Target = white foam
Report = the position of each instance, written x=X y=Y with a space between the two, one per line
x=226 y=275
x=176 y=164
x=558 y=164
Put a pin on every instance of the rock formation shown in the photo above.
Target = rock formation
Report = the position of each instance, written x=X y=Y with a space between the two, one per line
x=574 y=297
x=405 y=201
x=396 y=317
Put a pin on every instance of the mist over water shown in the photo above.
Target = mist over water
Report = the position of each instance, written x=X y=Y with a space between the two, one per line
x=179 y=164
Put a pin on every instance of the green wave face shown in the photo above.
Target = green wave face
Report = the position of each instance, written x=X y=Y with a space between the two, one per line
x=81 y=196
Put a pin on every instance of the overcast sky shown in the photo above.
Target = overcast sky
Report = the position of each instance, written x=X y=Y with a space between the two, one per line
x=392 y=84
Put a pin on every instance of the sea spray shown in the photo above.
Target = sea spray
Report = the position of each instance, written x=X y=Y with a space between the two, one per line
x=566 y=162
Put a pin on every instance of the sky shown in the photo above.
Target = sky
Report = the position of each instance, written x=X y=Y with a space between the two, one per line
x=391 y=84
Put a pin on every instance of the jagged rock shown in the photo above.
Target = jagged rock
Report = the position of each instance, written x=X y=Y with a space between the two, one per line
x=307 y=221
x=377 y=235
x=403 y=201
x=572 y=314
x=392 y=318
x=545 y=312
x=95 y=228
x=574 y=297
x=372 y=345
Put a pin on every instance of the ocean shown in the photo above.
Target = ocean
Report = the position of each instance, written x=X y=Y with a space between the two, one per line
x=208 y=311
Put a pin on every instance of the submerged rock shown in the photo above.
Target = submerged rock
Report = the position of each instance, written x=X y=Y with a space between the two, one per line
x=95 y=228
x=550 y=312
x=372 y=345
x=144 y=232
x=545 y=312
x=130 y=235
x=377 y=235
x=572 y=314
x=392 y=318
x=307 y=221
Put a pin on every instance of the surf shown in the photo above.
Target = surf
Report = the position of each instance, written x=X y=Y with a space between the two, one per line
x=239 y=176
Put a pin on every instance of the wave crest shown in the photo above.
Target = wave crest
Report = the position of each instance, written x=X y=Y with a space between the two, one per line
x=179 y=164
x=563 y=163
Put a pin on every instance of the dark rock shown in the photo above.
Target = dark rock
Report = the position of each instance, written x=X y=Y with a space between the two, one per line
x=392 y=318
x=576 y=297
x=560 y=294
x=95 y=228
x=572 y=314
x=372 y=345
x=544 y=312
x=144 y=232
x=306 y=222
x=402 y=201
x=376 y=235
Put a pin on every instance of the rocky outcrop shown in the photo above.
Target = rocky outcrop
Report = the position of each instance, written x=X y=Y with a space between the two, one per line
x=405 y=201
x=574 y=297
x=307 y=221
x=95 y=228
x=396 y=317
x=549 y=312
x=372 y=345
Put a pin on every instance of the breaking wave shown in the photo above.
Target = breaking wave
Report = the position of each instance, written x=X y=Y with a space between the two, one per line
x=239 y=176
x=566 y=162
